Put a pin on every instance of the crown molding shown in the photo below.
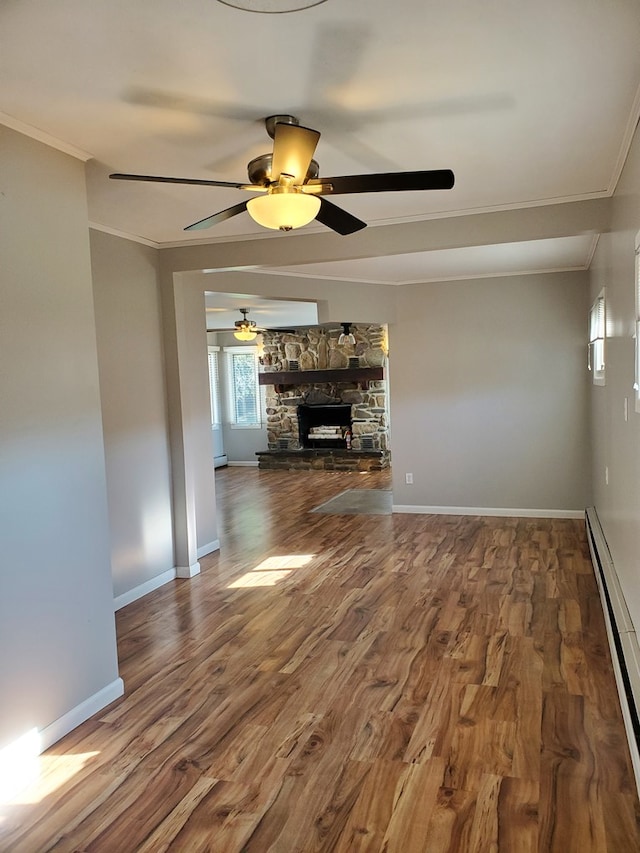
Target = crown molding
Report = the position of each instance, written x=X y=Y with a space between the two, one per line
x=44 y=137
x=134 y=238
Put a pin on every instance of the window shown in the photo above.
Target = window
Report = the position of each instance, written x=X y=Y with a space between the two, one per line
x=597 y=317
x=244 y=391
x=214 y=386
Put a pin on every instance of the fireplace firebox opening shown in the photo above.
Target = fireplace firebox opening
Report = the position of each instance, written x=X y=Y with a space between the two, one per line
x=324 y=426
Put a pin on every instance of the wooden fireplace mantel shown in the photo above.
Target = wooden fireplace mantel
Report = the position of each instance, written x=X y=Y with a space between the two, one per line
x=309 y=377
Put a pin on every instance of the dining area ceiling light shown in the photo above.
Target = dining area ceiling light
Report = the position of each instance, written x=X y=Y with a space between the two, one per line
x=245 y=335
x=347 y=336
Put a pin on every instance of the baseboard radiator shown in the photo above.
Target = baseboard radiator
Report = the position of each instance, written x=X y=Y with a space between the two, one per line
x=623 y=640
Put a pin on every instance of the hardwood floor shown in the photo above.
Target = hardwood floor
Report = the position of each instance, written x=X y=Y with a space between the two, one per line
x=405 y=683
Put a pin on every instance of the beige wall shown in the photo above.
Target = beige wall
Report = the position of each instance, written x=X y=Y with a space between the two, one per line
x=195 y=367
x=57 y=634
x=131 y=330
x=188 y=402
x=489 y=394
x=616 y=440
x=134 y=416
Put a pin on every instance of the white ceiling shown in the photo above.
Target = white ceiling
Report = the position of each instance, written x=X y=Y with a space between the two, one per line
x=528 y=103
x=222 y=311
x=532 y=256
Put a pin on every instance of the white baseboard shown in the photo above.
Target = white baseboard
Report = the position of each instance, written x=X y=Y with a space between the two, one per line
x=243 y=464
x=188 y=571
x=219 y=461
x=143 y=589
x=507 y=512
x=623 y=640
x=73 y=718
x=209 y=548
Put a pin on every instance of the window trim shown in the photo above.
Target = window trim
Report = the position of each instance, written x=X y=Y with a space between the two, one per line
x=231 y=398
x=598 y=333
x=214 y=387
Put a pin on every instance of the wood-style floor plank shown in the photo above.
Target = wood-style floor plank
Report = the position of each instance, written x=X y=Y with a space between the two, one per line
x=352 y=684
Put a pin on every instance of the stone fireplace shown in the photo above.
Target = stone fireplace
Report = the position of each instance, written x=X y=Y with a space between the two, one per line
x=321 y=389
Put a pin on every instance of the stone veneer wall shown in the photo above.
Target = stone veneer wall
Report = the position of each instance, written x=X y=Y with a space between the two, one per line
x=318 y=349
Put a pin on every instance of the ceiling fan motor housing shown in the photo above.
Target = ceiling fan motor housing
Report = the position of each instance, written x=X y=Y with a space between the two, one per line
x=259 y=170
x=244 y=323
x=281 y=118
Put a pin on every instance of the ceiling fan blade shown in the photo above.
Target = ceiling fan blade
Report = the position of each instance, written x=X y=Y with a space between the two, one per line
x=119 y=176
x=256 y=329
x=218 y=217
x=337 y=219
x=293 y=150
x=160 y=99
x=382 y=182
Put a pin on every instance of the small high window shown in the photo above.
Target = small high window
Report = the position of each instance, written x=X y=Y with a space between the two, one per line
x=597 y=317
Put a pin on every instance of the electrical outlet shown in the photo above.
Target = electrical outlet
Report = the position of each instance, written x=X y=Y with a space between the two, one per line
x=408 y=478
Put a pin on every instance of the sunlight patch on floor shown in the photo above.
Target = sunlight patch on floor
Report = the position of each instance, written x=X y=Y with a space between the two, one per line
x=19 y=765
x=272 y=570
x=26 y=777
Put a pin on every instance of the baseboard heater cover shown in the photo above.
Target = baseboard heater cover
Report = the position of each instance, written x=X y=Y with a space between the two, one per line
x=623 y=640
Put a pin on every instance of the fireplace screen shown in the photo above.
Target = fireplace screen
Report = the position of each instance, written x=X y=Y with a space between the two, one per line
x=324 y=426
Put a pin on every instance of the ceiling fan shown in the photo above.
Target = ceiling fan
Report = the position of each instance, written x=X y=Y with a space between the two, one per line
x=244 y=329
x=290 y=189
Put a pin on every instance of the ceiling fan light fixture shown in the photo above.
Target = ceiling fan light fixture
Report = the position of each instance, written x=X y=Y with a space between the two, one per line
x=283 y=211
x=245 y=335
x=245 y=329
